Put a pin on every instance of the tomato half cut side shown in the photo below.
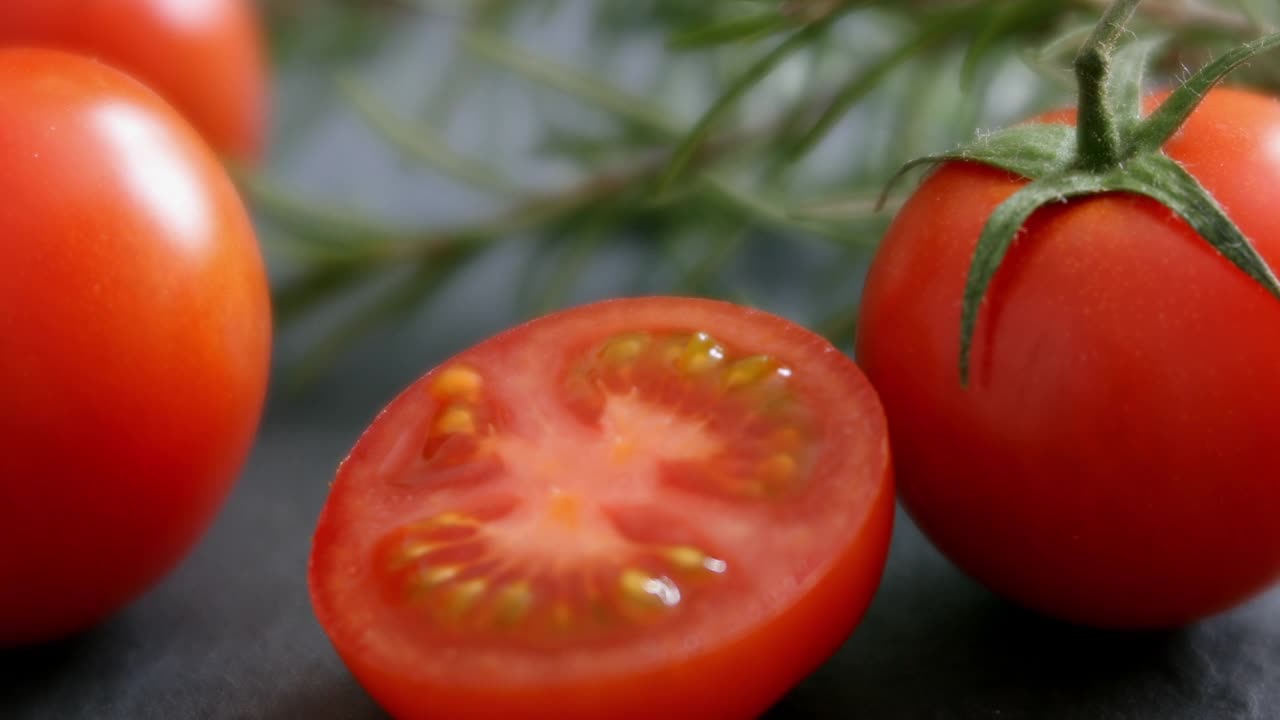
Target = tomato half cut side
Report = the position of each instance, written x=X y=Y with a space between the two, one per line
x=655 y=507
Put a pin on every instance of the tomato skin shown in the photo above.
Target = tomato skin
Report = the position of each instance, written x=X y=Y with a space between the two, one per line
x=736 y=679
x=134 y=341
x=206 y=57
x=1113 y=461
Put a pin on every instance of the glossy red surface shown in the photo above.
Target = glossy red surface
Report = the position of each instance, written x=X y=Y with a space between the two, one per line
x=204 y=56
x=1113 y=460
x=134 y=340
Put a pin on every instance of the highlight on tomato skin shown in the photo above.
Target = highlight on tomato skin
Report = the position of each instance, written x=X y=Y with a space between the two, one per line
x=206 y=57
x=646 y=507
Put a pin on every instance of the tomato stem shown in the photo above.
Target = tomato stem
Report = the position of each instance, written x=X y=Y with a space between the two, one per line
x=1113 y=149
x=1098 y=143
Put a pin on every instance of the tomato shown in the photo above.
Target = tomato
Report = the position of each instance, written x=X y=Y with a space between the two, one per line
x=205 y=56
x=1113 y=460
x=654 y=507
x=134 y=340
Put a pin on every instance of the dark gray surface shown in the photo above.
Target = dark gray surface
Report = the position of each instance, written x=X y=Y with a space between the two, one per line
x=231 y=634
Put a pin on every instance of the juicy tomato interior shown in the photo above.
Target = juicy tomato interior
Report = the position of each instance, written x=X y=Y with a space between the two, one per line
x=599 y=498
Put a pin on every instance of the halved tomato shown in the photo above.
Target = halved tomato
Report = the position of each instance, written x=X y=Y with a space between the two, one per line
x=655 y=507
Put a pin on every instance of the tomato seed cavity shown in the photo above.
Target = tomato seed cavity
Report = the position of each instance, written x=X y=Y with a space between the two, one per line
x=677 y=409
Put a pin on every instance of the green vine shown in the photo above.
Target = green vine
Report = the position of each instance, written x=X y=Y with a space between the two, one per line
x=759 y=124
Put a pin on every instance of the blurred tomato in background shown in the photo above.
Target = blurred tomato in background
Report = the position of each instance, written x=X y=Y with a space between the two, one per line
x=204 y=56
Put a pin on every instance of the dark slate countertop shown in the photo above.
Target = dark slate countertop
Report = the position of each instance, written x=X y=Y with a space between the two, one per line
x=231 y=635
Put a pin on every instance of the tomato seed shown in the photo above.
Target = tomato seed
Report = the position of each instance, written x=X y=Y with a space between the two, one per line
x=701 y=354
x=465 y=595
x=456 y=419
x=458 y=382
x=688 y=558
x=408 y=554
x=643 y=589
x=625 y=348
x=513 y=603
x=431 y=577
x=778 y=468
x=447 y=519
x=748 y=370
x=457 y=553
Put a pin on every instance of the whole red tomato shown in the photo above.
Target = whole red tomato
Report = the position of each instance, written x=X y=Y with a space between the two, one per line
x=204 y=56
x=653 y=507
x=134 y=340
x=1114 y=458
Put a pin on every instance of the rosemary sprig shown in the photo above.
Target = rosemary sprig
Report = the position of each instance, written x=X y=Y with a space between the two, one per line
x=678 y=153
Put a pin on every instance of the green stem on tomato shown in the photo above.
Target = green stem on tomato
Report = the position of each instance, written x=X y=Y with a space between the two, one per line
x=1098 y=141
x=1112 y=149
x=1161 y=125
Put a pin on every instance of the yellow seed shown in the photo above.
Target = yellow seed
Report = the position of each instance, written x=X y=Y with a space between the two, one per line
x=458 y=383
x=689 y=558
x=625 y=348
x=748 y=370
x=778 y=468
x=701 y=354
x=446 y=519
x=685 y=557
x=513 y=602
x=465 y=595
x=409 y=553
x=633 y=583
x=435 y=576
x=456 y=419
x=775 y=381
x=641 y=588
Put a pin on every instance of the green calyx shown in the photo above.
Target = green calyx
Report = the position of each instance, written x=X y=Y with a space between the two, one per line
x=1111 y=149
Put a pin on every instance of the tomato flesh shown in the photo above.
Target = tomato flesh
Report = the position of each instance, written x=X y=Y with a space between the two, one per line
x=578 y=511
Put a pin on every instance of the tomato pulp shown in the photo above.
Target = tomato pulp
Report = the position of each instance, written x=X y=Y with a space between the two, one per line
x=653 y=507
x=134 y=340
x=1113 y=461
x=204 y=56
